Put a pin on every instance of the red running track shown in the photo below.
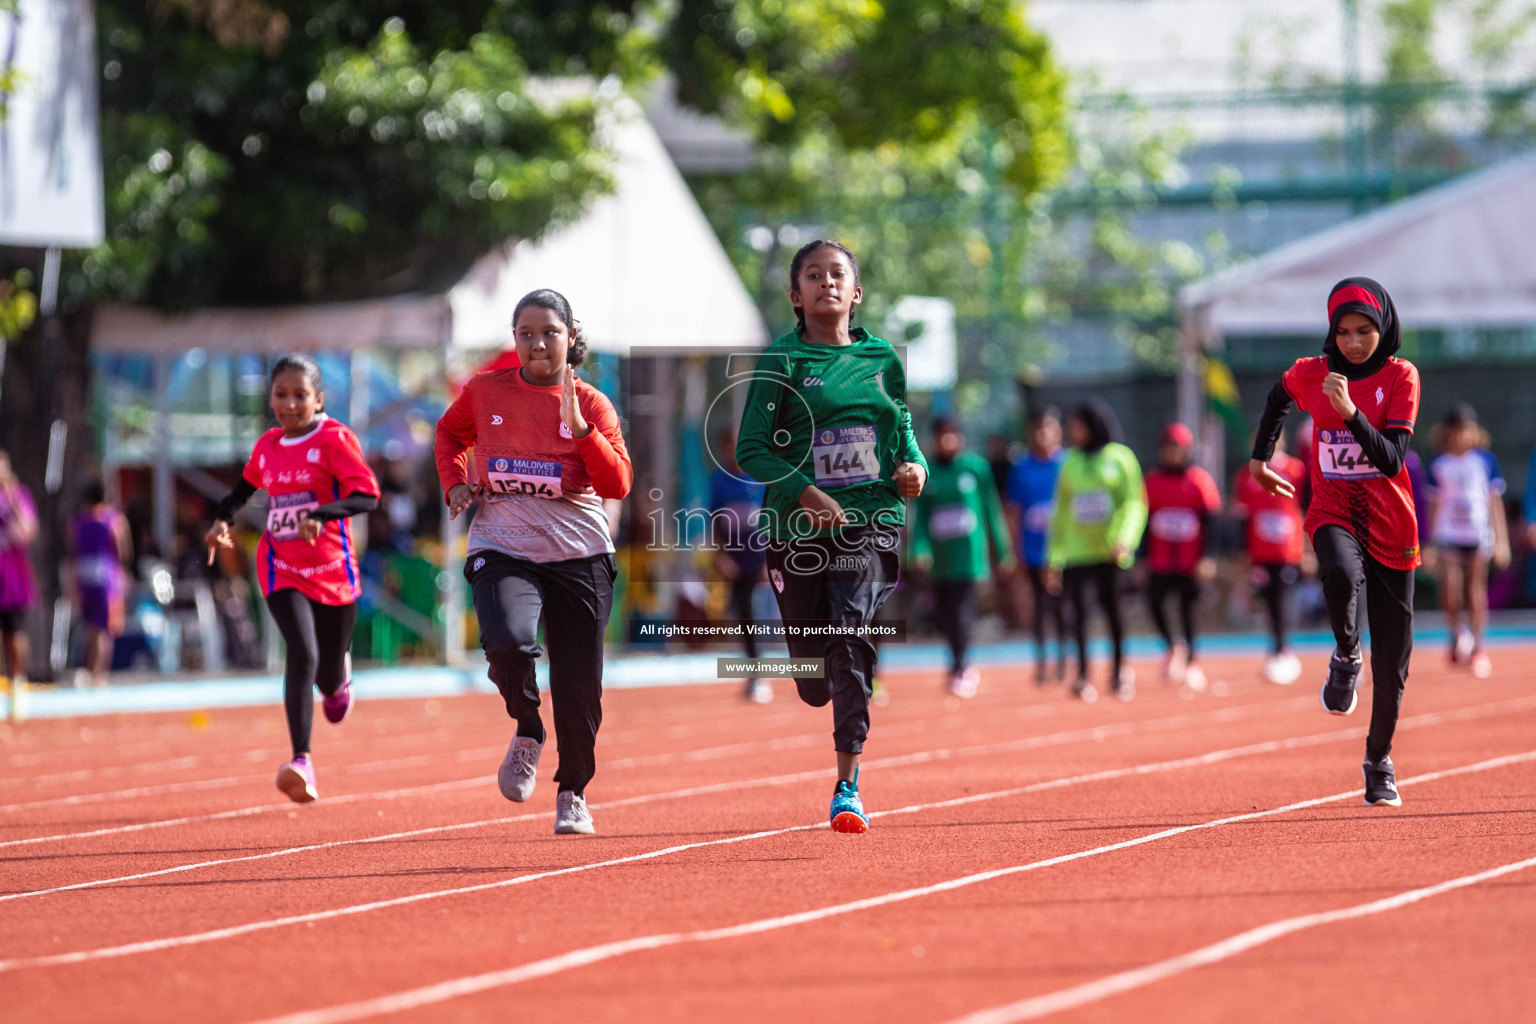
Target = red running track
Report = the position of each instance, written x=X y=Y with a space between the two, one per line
x=1171 y=859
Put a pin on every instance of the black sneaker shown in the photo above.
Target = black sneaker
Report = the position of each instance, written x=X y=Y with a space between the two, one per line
x=1339 y=696
x=1381 y=784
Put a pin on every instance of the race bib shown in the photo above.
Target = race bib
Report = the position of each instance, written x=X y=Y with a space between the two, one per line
x=1091 y=507
x=951 y=521
x=1037 y=518
x=1340 y=457
x=287 y=511
x=1274 y=527
x=844 y=456
x=1458 y=512
x=1175 y=525
x=531 y=477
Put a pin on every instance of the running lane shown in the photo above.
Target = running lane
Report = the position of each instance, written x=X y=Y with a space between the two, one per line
x=928 y=958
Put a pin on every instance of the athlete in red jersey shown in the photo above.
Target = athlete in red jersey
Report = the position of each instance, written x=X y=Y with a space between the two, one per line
x=547 y=451
x=1364 y=401
x=1276 y=546
x=1181 y=499
x=313 y=471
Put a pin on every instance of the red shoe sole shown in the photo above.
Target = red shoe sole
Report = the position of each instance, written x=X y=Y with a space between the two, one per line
x=850 y=823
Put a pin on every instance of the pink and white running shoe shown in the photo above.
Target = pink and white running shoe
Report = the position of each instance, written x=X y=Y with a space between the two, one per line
x=297 y=779
x=965 y=684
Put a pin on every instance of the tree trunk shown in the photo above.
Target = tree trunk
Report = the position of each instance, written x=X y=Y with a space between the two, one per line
x=47 y=379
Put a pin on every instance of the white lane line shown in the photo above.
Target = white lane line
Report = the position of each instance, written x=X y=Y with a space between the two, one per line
x=1050 y=739
x=899 y=728
x=214 y=935
x=1007 y=746
x=787 y=779
x=1139 y=977
x=772 y=780
x=443 y=991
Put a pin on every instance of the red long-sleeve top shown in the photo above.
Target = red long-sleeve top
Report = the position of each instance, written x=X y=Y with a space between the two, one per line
x=500 y=416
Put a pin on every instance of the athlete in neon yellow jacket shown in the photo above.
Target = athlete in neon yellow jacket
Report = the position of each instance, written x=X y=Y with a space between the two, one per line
x=1101 y=509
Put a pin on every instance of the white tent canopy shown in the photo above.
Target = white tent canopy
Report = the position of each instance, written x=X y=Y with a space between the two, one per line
x=642 y=267
x=1463 y=254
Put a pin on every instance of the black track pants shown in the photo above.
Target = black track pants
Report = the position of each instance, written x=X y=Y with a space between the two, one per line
x=1187 y=590
x=1104 y=577
x=844 y=580
x=574 y=596
x=318 y=637
x=1274 y=583
x=954 y=613
x=1345 y=569
x=739 y=607
x=1047 y=607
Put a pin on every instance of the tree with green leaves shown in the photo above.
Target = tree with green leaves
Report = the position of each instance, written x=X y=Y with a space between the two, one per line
x=281 y=152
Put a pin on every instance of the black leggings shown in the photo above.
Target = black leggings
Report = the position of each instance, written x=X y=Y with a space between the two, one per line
x=739 y=607
x=1345 y=569
x=1274 y=583
x=318 y=637
x=574 y=596
x=1159 y=586
x=842 y=580
x=954 y=610
x=1104 y=577
x=1047 y=606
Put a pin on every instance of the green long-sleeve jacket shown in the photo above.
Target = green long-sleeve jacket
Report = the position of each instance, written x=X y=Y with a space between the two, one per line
x=955 y=517
x=1100 y=505
x=831 y=415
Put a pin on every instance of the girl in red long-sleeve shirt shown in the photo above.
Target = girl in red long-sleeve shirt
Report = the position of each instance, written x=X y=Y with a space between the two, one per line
x=547 y=451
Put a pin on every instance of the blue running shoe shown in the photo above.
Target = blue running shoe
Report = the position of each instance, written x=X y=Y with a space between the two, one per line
x=847 y=809
x=1339 y=696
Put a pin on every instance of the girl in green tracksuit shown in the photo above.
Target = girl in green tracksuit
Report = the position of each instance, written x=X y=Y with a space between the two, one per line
x=826 y=428
x=954 y=518
x=1101 y=509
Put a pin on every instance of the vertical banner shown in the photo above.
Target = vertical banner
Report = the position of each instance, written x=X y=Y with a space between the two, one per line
x=50 y=153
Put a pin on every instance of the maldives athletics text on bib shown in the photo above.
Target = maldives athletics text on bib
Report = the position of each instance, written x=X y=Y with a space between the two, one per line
x=534 y=478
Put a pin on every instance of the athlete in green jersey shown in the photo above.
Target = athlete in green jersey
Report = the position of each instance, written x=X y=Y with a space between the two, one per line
x=827 y=429
x=829 y=418
x=953 y=521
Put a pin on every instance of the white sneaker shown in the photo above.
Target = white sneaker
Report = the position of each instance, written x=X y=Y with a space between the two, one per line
x=571 y=815
x=1282 y=669
x=1464 y=646
x=519 y=767
x=1125 y=686
x=966 y=683
x=759 y=691
x=1177 y=664
x=1194 y=678
x=20 y=699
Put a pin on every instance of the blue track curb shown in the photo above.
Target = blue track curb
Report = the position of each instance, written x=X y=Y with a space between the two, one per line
x=635 y=671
